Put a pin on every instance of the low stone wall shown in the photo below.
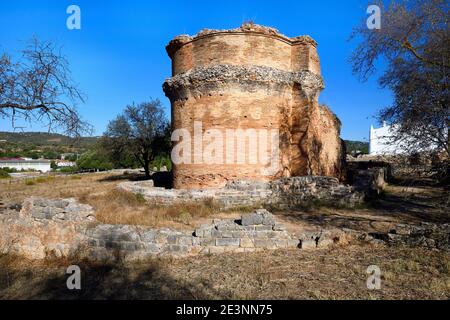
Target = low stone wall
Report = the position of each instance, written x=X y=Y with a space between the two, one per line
x=427 y=235
x=281 y=194
x=45 y=228
x=254 y=231
x=371 y=181
x=63 y=228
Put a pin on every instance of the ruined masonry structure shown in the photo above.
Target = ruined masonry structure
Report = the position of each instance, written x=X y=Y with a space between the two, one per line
x=252 y=77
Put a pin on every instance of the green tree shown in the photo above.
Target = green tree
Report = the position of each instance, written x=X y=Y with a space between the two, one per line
x=94 y=159
x=142 y=131
x=53 y=165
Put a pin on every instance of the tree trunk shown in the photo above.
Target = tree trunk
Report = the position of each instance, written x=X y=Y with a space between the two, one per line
x=147 y=168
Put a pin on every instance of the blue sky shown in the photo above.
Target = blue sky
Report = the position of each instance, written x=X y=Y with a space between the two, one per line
x=119 y=54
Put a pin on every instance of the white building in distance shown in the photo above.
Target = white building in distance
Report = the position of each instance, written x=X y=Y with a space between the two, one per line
x=23 y=164
x=381 y=141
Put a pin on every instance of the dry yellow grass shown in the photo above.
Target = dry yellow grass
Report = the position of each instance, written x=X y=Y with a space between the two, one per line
x=112 y=206
x=334 y=273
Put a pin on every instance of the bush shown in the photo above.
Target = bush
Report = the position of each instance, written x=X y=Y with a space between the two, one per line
x=162 y=161
x=9 y=170
x=94 y=160
x=53 y=165
x=4 y=174
x=68 y=169
x=42 y=179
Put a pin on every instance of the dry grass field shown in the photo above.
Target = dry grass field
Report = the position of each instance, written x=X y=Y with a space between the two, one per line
x=111 y=205
x=338 y=272
x=334 y=273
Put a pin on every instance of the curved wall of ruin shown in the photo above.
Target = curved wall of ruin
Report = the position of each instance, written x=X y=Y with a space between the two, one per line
x=244 y=48
x=252 y=78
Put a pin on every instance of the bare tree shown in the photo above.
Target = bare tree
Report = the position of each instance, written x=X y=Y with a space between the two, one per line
x=38 y=88
x=142 y=131
x=414 y=41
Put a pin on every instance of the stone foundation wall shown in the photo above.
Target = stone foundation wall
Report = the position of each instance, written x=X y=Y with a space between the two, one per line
x=282 y=193
x=63 y=228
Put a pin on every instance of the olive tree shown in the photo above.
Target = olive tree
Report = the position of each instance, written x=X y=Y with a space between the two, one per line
x=141 y=131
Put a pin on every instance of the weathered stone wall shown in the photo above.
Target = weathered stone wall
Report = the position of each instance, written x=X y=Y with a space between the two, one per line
x=248 y=45
x=45 y=228
x=63 y=228
x=252 y=78
x=281 y=193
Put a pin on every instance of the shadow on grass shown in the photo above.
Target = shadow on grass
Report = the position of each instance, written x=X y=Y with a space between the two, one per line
x=160 y=179
x=390 y=207
x=108 y=281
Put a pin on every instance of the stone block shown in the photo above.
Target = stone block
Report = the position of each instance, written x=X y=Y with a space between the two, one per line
x=148 y=236
x=279 y=227
x=261 y=234
x=263 y=228
x=224 y=242
x=185 y=240
x=265 y=243
x=259 y=217
x=226 y=234
x=216 y=233
x=242 y=234
x=204 y=230
x=207 y=241
x=176 y=248
x=152 y=248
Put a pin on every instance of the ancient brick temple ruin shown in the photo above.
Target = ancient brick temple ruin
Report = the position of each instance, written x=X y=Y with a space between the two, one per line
x=252 y=78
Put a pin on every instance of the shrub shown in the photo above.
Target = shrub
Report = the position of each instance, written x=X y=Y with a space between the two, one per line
x=68 y=169
x=94 y=160
x=9 y=170
x=4 y=174
x=140 y=198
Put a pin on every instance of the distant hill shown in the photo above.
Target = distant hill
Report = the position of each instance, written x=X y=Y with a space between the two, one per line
x=46 y=139
x=357 y=146
x=58 y=140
